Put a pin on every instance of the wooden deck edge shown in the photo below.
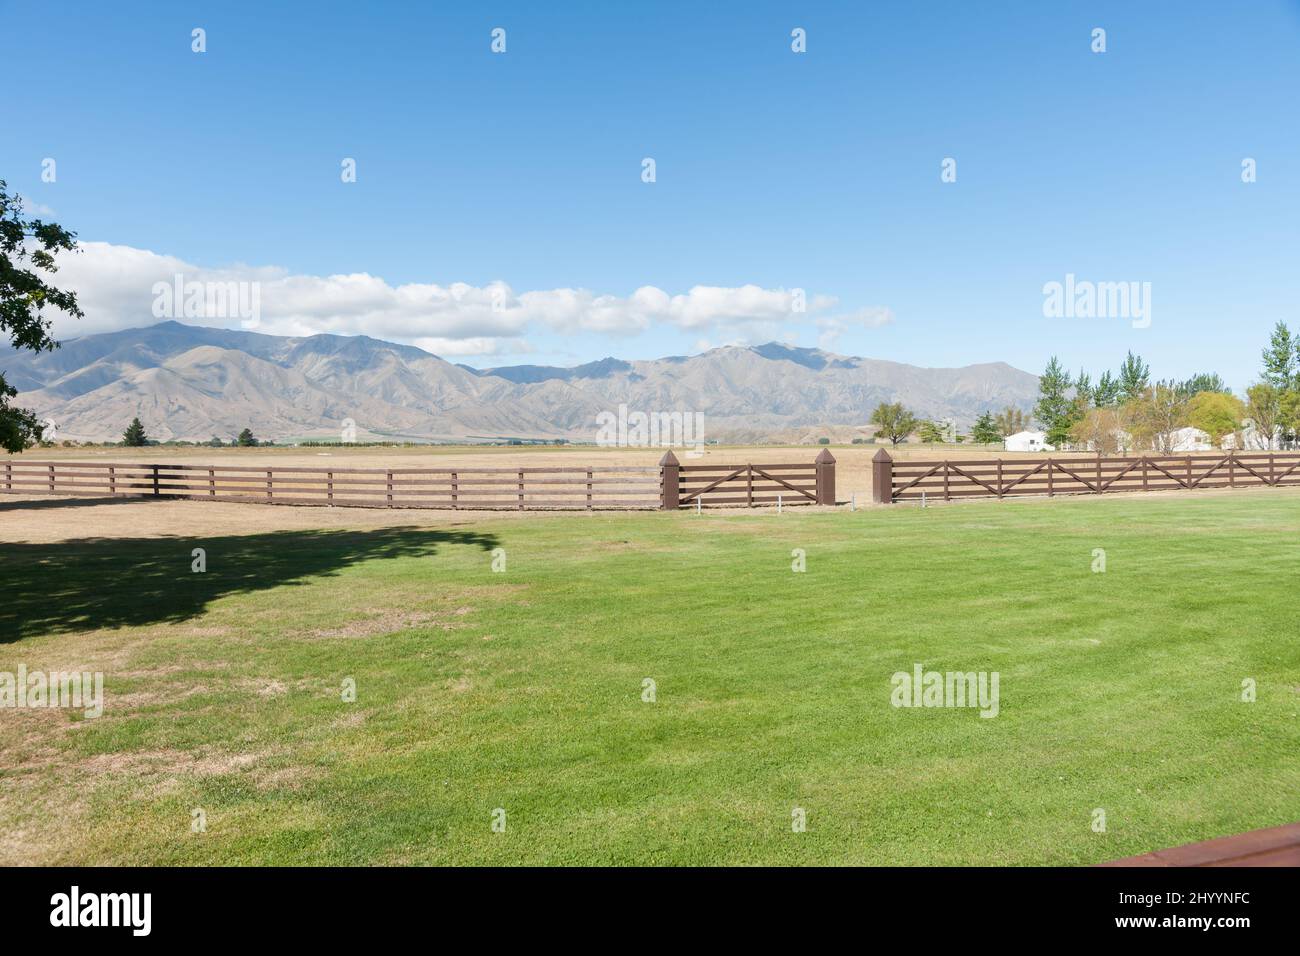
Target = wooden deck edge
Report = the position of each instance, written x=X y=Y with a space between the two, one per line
x=1275 y=846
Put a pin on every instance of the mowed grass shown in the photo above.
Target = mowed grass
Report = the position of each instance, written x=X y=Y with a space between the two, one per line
x=522 y=690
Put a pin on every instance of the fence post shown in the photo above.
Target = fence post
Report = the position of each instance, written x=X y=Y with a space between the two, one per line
x=388 y=486
x=882 y=478
x=156 y=492
x=826 y=478
x=670 y=494
x=52 y=480
x=589 y=477
x=112 y=480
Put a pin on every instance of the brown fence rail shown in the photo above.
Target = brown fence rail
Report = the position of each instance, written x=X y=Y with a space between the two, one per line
x=670 y=486
x=456 y=488
x=1003 y=478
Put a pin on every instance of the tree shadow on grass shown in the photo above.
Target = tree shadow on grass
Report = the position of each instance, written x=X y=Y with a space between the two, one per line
x=92 y=583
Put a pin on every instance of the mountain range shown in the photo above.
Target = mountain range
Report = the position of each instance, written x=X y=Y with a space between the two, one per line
x=189 y=382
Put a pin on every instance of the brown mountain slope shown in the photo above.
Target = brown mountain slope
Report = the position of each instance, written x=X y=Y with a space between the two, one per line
x=191 y=382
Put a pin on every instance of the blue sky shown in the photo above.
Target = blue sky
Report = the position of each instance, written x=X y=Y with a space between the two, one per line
x=817 y=171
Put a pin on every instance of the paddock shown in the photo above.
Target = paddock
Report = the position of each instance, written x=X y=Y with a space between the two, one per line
x=524 y=688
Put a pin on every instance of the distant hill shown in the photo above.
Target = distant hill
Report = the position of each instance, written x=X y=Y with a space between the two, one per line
x=189 y=382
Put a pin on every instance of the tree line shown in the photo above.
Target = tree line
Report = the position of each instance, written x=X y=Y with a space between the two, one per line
x=1128 y=411
x=1125 y=410
x=135 y=437
x=896 y=423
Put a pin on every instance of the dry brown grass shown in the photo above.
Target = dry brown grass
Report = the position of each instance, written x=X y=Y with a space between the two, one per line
x=378 y=622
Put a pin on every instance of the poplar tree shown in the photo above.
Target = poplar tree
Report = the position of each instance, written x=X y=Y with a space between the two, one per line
x=1134 y=378
x=1055 y=409
x=1280 y=358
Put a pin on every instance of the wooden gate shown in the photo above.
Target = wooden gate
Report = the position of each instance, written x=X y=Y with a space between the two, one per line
x=750 y=485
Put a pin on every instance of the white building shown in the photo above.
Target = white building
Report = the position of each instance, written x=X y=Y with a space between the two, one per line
x=1189 y=439
x=1253 y=439
x=1027 y=441
x=1179 y=440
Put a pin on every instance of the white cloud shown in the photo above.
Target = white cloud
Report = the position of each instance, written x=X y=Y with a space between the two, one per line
x=868 y=317
x=449 y=348
x=115 y=286
x=33 y=208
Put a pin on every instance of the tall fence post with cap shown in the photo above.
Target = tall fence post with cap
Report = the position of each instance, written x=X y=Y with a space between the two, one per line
x=826 y=477
x=882 y=478
x=670 y=471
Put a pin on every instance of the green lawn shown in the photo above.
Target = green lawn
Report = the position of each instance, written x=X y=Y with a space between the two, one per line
x=522 y=690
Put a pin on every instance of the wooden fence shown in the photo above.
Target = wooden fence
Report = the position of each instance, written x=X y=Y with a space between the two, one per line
x=456 y=488
x=670 y=486
x=1003 y=478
